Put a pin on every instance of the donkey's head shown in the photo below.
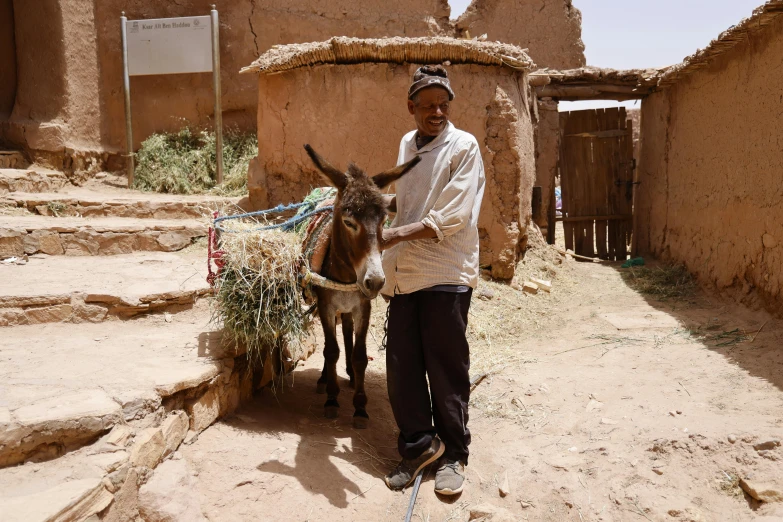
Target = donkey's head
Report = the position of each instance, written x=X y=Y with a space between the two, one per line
x=359 y=214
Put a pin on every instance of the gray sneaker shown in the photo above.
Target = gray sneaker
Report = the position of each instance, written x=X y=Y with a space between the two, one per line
x=406 y=470
x=450 y=477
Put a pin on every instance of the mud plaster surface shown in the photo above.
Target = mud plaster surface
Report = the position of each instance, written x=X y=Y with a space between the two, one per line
x=547 y=154
x=552 y=31
x=580 y=424
x=70 y=82
x=711 y=188
x=358 y=113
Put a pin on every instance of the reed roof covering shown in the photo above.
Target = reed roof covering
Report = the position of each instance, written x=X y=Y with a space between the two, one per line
x=426 y=50
x=762 y=17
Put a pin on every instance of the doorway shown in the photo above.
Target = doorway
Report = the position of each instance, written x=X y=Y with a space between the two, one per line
x=597 y=182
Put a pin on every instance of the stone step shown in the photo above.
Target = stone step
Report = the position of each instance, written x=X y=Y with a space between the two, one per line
x=76 y=201
x=20 y=235
x=31 y=180
x=71 y=289
x=12 y=159
x=63 y=385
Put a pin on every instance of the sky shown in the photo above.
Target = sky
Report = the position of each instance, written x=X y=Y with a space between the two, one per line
x=636 y=34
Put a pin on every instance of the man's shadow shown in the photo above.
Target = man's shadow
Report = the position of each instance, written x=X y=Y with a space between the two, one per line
x=297 y=409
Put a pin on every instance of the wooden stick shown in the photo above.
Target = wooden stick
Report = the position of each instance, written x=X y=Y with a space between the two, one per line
x=759 y=330
x=563 y=252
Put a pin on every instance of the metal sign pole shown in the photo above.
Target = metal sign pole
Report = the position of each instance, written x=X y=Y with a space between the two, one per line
x=126 y=86
x=216 y=83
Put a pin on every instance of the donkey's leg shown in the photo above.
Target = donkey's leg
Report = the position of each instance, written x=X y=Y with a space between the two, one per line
x=331 y=355
x=348 y=343
x=360 y=417
x=320 y=386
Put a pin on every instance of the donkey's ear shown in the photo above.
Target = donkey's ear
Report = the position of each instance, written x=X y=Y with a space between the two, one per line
x=384 y=179
x=336 y=177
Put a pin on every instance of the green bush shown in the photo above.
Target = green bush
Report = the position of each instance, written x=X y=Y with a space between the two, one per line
x=185 y=163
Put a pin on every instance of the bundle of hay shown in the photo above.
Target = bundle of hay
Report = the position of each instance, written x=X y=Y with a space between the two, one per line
x=258 y=294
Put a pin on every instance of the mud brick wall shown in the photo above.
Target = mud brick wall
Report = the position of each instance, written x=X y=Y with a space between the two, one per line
x=70 y=94
x=552 y=31
x=358 y=113
x=710 y=172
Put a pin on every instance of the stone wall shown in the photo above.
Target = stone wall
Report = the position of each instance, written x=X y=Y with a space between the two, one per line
x=711 y=158
x=359 y=113
x=70 y=95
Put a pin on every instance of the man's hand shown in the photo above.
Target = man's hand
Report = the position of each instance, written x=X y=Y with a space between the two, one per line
x=392 y=236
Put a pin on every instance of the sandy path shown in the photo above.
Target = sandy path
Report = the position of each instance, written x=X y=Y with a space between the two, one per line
x=594 y=422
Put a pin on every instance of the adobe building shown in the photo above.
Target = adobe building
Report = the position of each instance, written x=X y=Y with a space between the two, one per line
x=712 y=159
x=347 y=97
x=61 y=94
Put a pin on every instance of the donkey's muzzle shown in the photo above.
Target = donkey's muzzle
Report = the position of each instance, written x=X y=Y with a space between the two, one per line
x=374 y=284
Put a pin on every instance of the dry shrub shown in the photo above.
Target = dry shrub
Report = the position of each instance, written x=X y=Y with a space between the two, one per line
x=258 y=298
x=186 y=163
x=663 y=282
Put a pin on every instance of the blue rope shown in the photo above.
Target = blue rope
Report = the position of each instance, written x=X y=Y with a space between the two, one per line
x=286 y=226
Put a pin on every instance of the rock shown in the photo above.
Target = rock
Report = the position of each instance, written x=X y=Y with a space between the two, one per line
x=148 y=448
x=658 y=470
x=11 y=243
x=609 y=422
x=594 y=405
x=769 y=241
x=204 y=411
x=173 y=241
x=546 y=286
x=530 y=288
x=485 y=294
x=768 y=454
x=679 y=412
x=732 y=438
x=762 y=491
x=516 y=286
x=174 y=429
x=67 y=501
x=170 y=495
x=503 y=487
x=488 y=512
x=767 y=445
x=673 y=413
x=67 y=418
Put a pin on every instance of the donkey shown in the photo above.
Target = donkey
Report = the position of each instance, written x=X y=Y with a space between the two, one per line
x=354 y=257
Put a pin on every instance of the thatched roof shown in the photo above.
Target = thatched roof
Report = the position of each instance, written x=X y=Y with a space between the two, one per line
x=429 y=50
x=594 y=83
x=762 y=17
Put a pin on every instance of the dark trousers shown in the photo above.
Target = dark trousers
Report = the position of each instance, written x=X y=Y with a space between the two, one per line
x=426 y=340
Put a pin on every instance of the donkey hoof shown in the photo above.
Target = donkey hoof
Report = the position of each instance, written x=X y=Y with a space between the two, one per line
x=331 y=412
x=360 y=423
x=320 y=388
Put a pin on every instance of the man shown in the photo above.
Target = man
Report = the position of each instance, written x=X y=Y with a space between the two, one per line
x=431 y=262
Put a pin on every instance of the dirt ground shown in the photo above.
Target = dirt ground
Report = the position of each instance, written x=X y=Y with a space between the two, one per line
x=602 y=404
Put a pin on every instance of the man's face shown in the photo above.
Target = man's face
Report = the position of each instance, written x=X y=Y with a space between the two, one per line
x=430 y=110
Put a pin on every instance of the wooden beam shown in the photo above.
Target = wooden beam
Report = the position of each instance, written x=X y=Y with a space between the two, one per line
x=592 y=90
x=615 y=217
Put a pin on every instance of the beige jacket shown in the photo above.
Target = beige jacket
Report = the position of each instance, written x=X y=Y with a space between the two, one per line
x=444 y=192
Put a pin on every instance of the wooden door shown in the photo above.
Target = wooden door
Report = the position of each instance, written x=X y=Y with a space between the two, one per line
x=596 y=177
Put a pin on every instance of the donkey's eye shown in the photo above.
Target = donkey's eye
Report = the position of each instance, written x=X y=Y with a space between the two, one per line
x=350 y=224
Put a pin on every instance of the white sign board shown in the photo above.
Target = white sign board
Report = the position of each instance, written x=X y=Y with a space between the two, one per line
x=169 y=46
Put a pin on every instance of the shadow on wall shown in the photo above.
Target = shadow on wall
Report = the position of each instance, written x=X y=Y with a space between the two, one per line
x=40 y=64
